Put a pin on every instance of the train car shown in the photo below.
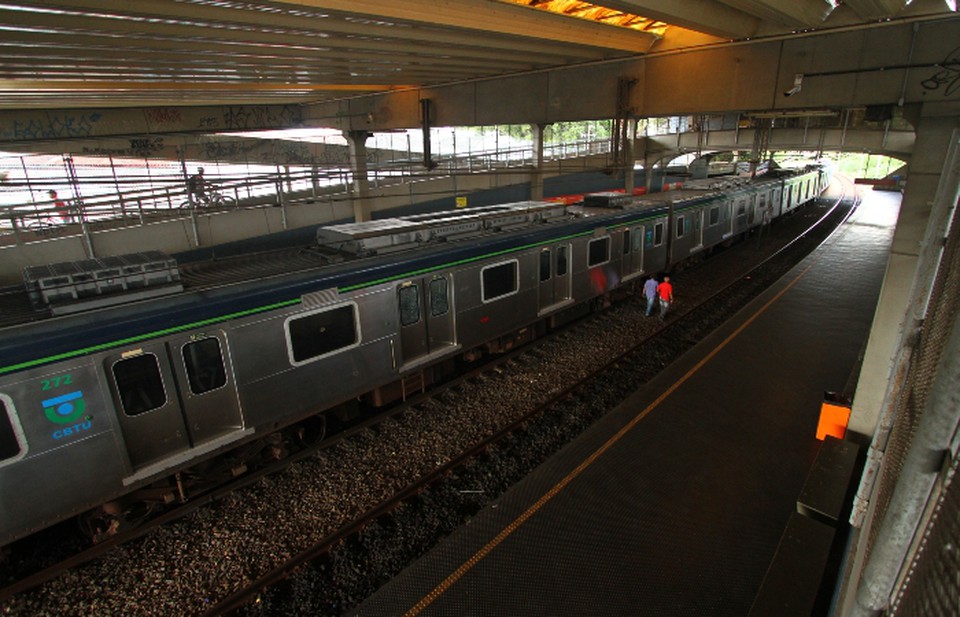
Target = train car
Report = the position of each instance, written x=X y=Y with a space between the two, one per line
x=117 y=382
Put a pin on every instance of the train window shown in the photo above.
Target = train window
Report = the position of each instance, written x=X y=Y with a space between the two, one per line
x=321 y=333
x=439 y=303
x=598 y=251
x=626 y=241
x=499 y=280
x=10 y=435
x=561 y=261
x=203 y=360
x=637 y=239
x=409 y=304
x=741 y=207
x=680 y=226
x=714 y=215
x=658 y=234
x=139 y=384
x=544 y=265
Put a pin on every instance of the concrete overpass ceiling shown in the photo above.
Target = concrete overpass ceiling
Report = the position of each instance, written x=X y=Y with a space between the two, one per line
x=94 y=53
x=75 y=54
x=740 y=19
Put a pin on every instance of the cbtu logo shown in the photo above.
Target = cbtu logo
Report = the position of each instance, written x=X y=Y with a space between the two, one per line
x=66 y=408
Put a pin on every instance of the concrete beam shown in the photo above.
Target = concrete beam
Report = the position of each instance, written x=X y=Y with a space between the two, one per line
x=896 y=144
x=18 y=128
x=877 y=65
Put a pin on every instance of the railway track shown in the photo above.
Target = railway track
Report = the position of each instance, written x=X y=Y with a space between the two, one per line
x=278 y=591
x=451 y=395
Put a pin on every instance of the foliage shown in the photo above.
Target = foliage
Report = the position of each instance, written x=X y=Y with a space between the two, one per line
x=559 y=132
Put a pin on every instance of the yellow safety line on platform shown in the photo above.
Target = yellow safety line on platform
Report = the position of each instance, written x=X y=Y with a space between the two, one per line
x=570 y=477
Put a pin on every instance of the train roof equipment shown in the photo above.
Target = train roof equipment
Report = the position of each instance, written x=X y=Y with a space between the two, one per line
x=73 y=286
x=716 y=184
x=608 y=199
x=398 y=234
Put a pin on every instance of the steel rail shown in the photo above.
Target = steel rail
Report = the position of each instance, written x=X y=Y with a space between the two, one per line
x=322 y=549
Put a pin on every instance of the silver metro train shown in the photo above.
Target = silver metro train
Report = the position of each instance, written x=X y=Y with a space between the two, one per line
x=126 y=372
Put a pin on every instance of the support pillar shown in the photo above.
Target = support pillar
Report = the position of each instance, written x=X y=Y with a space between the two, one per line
x=536 y=178
x=650 y=152
x=648 y=163
x=921 y=225
x=914 y=327
x=699 y=167
x=629 y=158
x=357 y=144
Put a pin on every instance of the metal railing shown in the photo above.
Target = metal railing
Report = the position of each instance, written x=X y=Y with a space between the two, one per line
x=106 y=201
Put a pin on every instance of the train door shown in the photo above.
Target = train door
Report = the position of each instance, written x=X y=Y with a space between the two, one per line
x=554 y=276
x=697 y=221
x=207 y=393
x=149 y=410
x=633 y=251
x=426 y=317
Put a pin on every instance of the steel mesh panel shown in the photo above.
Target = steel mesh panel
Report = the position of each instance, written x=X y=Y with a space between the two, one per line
x=940 y=316
x=932 y=586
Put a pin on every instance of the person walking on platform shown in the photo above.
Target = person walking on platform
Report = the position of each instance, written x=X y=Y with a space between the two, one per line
x=650 y=292
x=665 y=292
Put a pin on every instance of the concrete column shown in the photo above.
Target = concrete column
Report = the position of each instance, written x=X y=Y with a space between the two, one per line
x=928 y=205
x=357 y=143
x=536 y=178
x=629 y=158
x=698 y=167
x=648 y=163
x=921 y=226
x=651 y=152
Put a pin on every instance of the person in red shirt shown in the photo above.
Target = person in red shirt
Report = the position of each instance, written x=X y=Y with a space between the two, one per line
x=665 y=293
x=61 y=207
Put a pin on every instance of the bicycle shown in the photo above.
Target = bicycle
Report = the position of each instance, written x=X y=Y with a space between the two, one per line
x=212 y=198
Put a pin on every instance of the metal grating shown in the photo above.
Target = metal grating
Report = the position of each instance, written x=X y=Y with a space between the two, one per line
x=404 y=233
x=932 y=585
x=941 y=313
x=71 y=282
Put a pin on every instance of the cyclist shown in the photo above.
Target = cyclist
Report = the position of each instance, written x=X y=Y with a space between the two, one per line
x=197 y=187
x=63 y=210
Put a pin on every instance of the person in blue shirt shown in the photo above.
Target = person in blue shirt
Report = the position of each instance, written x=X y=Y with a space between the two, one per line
x=650 y=291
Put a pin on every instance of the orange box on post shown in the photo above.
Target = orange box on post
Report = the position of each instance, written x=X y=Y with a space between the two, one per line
x=833 y=420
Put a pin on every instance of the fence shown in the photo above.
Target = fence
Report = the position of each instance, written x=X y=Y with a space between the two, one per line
x=108 y=192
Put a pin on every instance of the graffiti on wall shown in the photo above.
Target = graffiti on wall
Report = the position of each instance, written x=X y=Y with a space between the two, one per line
x=52 y=126
x=292 y=153
x=262 y=116
x=163 y=116
x=947 y=75
x=93 y=123
x=273 y=152
x=142 y=147
x=222 y=150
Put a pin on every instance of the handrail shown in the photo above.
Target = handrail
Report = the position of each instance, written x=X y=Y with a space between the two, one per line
x=142 y=199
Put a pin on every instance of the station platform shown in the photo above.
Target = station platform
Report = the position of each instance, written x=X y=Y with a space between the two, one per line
x=674 y=504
